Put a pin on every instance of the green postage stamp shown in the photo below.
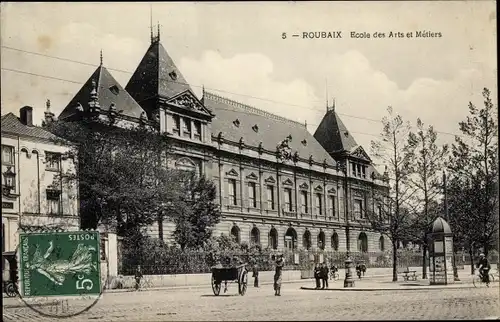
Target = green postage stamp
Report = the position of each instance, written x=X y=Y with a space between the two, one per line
x=60 y=264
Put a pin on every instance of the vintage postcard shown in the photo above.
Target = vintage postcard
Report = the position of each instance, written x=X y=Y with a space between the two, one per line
x=301 y=160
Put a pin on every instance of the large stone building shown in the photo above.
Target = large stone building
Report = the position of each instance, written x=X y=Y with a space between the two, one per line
x=278 y=185
x=34 y=192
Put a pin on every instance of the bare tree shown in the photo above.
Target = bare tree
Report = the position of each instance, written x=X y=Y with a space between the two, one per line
x=397 y=152
x=429 y=162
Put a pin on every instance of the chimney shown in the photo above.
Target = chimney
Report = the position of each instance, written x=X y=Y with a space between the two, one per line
x=26 y=114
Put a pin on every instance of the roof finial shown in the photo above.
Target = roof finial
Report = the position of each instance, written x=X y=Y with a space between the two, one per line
x=333 y=104
x=305 y=124
x=158 y=36
x=48 y=105
x=326 y=91
x=151 y=21
x=101 y=58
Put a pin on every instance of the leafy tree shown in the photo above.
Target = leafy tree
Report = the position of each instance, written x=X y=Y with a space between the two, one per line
x=196 y=212
x=428 y=162
x=474 y=168
x=123 y=181
x=395 y=150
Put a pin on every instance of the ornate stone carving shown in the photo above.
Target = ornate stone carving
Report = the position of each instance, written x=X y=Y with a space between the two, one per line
x=360 y=153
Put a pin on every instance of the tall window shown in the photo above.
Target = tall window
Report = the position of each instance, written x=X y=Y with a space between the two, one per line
x=270 y=197
x=318 y=204
x=379 y=212
x=331 y=205
x=252 y=201
x=53 y=161
x=232 y=192
x=255 y=236
x=54 y=202
x=186 y=127
x=3 y=238
x=288 y=199
x=358 y=208
x=197 y=130
x=177 y=124
x=303 y=202
x=363 y=171
x=381 y=243
x=353 y=169
x=7 y=154
x=335 y=241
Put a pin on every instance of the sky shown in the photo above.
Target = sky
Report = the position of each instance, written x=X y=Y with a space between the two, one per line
x=237 y=50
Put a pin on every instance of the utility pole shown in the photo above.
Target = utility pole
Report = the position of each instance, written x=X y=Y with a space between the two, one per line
x=348 y=281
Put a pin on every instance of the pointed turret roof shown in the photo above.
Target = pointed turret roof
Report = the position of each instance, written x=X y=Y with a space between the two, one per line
x=333 y=135
x=109 y=91
x=156 y=76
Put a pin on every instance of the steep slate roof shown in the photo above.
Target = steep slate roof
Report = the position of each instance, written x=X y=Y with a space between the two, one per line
x=109 y=91
x=333 y=135
x=12 y=124
x=156 y=75
x=272 y=129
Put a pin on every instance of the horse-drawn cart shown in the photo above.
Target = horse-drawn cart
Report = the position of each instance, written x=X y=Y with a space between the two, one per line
x=237 y=274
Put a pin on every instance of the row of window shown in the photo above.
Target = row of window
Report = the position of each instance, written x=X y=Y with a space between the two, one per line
x=358 y=170
x=358 y=205
x=290 y=239
x=252 y=198
x=186 y=127
x=53 y=160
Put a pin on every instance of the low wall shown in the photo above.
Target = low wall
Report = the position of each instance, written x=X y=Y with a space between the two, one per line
x=186 y=280
x=202 y=279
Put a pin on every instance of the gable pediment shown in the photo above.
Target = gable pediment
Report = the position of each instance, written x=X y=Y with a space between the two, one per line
x=270 y=180
x=304 y=186
x=187 y=100
x=360 y=153
x=252 y=176
x=332 y=191
x=232 y=173
x=318 y=189
x=288 y=182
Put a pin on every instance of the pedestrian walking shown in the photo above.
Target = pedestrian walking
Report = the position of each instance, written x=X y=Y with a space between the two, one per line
x=317 y=275
x=324 y=275
x=255 y=271
x=277 y=275
x=138 y=277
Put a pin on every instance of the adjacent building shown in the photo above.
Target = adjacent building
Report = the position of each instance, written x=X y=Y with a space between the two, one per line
x=278 y=185
x=35 y=193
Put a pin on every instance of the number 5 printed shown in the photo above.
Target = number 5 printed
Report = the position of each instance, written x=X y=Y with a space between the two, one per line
x=80 y=284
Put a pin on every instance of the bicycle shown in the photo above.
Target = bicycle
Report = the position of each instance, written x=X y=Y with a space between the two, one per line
x=334 y=275
x=478 y=280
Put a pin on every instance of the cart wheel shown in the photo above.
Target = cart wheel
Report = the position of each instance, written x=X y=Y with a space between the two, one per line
x=10 y=290
x=242 y=283
x=215 y=286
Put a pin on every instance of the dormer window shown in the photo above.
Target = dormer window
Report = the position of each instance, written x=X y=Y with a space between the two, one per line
x=114 y=89
x=304 y=142
x=173 y=75
x=255 y=128
x=186 y=127
x=177 y=124
x=197 y=130
x=346 y=133
x=236 y=123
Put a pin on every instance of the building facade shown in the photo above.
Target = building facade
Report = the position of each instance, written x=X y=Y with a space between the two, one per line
x=34 y=192
x=278 y=185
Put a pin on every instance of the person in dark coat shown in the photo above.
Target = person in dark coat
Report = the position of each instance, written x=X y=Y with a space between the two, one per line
x=278 y=275
x=255 y=271
x=138 y=277
x=324 y=275
x=317 y=275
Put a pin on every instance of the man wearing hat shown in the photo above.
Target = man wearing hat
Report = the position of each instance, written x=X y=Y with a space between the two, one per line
x=277 y=275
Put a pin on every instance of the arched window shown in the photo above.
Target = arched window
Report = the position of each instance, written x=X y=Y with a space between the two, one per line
x=273 y=238
x=306 y=240
x=290 y=238
x=235 y=232
x=254 y=236
x=362 y=243
x=321 y=240
x=335 y=241
x=381 y=243
x=3 y=238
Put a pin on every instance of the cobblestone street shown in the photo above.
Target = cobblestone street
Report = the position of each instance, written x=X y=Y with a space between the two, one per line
x=294 y=304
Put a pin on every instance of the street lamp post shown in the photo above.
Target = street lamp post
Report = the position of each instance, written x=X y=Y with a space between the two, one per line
x=348 y=281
